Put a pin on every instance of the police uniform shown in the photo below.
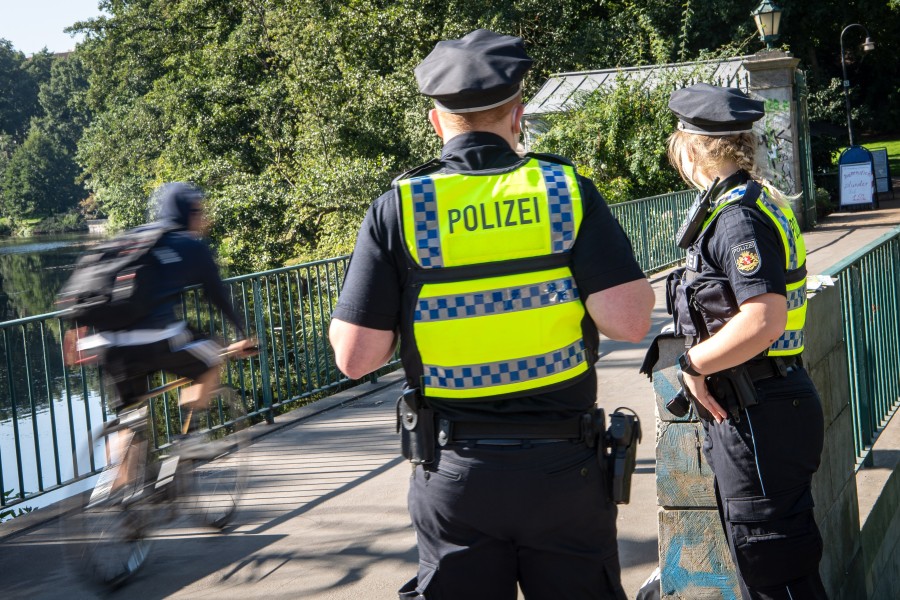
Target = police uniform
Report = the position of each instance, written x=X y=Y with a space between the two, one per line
x=764 y=455
x=482 y=260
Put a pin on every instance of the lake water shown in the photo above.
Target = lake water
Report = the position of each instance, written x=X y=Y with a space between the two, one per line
x=51 y=405
x=33 y=269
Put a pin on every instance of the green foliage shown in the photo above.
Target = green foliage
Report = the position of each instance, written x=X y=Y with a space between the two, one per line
x=827 y=111
x=824 y=203
x=41 y=119
x=617 y=136
x=61 y=223
x=20 y=79
x=295 y=115
x=39 y=179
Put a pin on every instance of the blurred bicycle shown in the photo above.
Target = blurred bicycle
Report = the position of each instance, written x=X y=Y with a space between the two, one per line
x=198 y=478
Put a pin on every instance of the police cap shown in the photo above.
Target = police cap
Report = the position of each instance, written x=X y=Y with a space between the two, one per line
x=717 y=111
x=477 y=72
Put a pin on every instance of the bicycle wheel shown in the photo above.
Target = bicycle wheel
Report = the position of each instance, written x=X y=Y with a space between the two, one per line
x=212 y=470
x=106 y=539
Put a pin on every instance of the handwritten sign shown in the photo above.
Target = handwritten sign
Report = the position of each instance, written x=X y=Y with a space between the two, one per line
x=856 y=184
x=882 y=171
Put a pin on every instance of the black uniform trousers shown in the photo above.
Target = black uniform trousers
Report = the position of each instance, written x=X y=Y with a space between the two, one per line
x=763 y=460
x=490 y=516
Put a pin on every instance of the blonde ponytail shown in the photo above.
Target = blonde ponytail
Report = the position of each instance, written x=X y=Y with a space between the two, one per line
x=709 y=152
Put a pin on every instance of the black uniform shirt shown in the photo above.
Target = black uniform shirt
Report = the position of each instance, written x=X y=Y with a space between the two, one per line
x=601 y=258
x=191 y=264
x=743 y=249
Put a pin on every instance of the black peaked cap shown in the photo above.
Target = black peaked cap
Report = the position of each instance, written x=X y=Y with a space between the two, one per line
x=712 y=110
x=476 y=72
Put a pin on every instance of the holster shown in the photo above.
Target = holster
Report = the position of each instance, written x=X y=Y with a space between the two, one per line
x=415 y=424
x=620 y=452
x=734 y=387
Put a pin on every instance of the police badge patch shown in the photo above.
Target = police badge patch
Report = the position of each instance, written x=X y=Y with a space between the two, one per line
x=746 y=258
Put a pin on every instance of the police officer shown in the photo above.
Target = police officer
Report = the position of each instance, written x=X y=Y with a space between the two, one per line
x=741 y=304
x=496 y=272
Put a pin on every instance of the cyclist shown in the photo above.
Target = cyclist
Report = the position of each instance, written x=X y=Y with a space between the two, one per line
x=162 y=341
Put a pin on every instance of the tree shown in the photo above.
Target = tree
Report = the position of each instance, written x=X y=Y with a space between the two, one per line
x=39 y=179
x=617 y=136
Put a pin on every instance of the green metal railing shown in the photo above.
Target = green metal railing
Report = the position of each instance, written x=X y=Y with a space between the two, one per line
x=869 y=281
x=651 y=224
x=48 y=409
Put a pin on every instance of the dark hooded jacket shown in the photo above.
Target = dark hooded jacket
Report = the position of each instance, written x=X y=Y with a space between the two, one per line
x=186 y=259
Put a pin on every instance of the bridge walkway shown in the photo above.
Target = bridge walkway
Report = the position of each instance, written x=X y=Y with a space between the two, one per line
x=325 y=515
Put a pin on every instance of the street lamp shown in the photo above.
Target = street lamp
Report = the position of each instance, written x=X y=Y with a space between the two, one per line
x=768 y=21
x=867 y=46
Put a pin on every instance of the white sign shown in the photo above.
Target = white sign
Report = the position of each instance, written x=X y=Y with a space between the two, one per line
x=857 y=184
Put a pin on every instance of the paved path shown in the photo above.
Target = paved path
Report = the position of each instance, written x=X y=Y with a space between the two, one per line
x=325 y=517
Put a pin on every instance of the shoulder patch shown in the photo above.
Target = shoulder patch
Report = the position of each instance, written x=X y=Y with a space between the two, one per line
x=746 y=258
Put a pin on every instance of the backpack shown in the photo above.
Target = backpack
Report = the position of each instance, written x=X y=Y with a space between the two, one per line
x=116 y=283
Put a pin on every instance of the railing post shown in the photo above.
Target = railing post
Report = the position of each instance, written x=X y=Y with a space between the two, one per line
x=263 y=351
x=15 y=413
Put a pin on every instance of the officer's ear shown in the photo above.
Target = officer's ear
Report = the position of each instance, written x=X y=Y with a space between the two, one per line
x=517 y=114
x=435 y=120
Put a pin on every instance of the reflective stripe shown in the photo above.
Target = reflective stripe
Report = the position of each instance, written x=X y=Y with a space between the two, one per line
x=796 y=298
x=490 y=302
x=503 y=372
x=562 y=220
x=428 y=233
x=134 y=337
x=786 y=231
x=789 y=340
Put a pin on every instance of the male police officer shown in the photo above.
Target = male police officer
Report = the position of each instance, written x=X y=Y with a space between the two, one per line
x=496 y=271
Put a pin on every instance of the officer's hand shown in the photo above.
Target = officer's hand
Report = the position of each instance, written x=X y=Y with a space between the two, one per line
x=697 y=388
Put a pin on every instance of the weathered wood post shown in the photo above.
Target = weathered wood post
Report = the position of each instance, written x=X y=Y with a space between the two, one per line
x=694 y=560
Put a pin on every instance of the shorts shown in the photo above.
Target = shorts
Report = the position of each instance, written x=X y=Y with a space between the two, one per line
x=185 y=354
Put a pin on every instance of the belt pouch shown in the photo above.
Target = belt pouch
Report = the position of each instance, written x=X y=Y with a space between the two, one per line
x=416 y=425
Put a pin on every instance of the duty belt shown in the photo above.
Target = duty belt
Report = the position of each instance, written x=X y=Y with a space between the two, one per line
x=777 y=366
x=568 y=430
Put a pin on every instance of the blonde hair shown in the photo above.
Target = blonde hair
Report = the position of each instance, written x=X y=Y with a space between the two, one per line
x=709 y=151
x=477 y=121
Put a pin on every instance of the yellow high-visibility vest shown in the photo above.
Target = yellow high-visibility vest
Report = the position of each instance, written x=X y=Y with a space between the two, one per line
x=791 y=341
x=496 y=311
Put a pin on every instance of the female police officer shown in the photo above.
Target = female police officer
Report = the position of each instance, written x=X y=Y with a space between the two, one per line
x=740 y=302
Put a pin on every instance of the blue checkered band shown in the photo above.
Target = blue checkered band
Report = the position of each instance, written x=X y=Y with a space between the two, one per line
x=510 y=371
x=735 y=194
x=492 y=302
x=428 y=233
x=786 y=227
x=789 y=340
x=562 y=217
x=796 y=298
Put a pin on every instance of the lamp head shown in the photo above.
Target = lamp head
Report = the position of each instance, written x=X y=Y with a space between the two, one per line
x=868 y=45
x=768 y=21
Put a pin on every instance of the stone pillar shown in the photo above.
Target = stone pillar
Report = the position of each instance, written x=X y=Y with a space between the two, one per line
x=772 y=80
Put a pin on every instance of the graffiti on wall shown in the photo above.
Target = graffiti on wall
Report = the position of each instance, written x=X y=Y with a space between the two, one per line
x=776 y=145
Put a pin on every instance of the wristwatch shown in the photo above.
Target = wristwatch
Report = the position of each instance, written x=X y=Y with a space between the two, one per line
x=684 y=362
